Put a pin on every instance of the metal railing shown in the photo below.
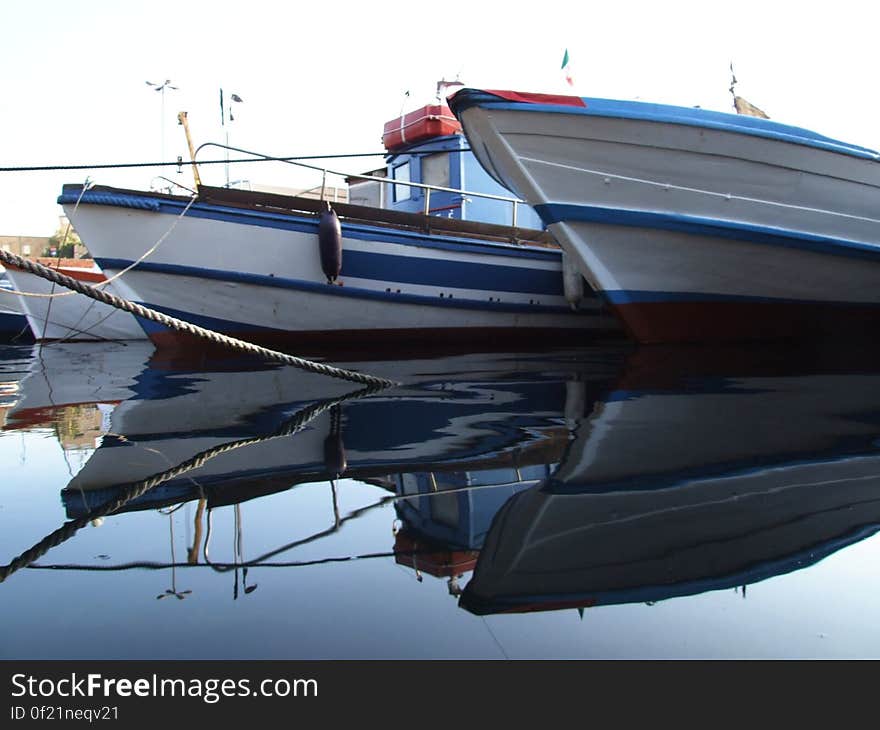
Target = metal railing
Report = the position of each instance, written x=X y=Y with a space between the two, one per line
x=515 y=202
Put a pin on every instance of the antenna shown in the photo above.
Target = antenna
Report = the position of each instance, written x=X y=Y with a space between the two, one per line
x=443 y=85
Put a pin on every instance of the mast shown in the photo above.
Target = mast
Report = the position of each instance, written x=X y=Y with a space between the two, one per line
x=181 y=119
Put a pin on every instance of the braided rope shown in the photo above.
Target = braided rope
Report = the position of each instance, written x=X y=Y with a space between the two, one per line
x=138 y=489
x=178 y=324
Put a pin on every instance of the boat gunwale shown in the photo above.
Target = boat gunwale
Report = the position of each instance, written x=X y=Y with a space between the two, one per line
x=665 y=114
x=493 y=235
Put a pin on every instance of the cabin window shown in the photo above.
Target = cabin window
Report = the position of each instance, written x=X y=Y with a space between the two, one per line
x=444 y=509
x=401 y=173
x=435 y=170
x=409 y=484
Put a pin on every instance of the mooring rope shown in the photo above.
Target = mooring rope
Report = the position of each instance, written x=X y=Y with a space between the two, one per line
x=178 y=324
x=138 y=489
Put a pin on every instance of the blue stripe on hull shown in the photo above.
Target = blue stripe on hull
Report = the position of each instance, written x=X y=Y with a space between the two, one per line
x=458 y=274
x=12 y=324
x=277 y=282
x=731 y=230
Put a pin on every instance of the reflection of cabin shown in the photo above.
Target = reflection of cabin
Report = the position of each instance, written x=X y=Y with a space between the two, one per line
x=448 y=514
x=437 y=560
x=456 y=508
x=426 y=146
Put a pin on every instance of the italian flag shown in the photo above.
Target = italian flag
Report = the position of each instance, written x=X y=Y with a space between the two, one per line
x=566 y=68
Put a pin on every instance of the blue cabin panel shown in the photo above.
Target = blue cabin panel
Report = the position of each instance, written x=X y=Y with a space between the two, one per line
x=446 y=162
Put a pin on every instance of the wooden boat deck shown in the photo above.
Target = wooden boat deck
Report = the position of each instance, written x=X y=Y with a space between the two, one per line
x=435 y=225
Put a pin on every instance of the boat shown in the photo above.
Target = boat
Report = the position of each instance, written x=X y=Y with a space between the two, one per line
x=442 y=451
x=437 y=254
x=56 y=313
x=693 y=225
x=13 y=322
x=451 y=413
x=702 y=469
x=523 y=481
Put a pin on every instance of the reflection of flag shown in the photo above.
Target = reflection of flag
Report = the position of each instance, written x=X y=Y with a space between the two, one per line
x=566 y=68
x=744 y=107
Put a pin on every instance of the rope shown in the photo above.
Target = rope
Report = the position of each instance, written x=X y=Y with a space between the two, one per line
x=178 y=163
x=138 y=489
x=182 y=326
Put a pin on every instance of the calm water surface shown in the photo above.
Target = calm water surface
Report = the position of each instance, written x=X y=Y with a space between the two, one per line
x=605 y=502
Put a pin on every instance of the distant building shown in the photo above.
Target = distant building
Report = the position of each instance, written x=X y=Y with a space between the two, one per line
x=35 y=246
x=331 y=192
x=79 y=249
x=24 y=245
x=368 y=192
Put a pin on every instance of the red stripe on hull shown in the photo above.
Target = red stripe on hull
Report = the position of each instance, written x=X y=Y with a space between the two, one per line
x=527 y=97
x=491 y=338
x=709 y=322
x=80 y=274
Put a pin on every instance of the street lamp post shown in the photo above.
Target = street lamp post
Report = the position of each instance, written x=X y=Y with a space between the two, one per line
x=237 y=99
x=161 y=88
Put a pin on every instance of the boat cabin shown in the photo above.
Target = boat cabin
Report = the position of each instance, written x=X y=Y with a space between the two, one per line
x=426 y=146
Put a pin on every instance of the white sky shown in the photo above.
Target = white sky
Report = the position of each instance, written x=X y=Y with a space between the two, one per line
x=322 y=78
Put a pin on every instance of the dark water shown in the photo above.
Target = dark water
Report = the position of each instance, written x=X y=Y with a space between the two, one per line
x=607 y=502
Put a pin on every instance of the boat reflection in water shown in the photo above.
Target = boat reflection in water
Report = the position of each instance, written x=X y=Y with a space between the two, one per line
x=251 y=428
x=526 y=481
x=701 y=470
x=218 y=430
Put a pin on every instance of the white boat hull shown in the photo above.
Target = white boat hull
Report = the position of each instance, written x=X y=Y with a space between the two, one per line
x=696 y=226
x=258 y=276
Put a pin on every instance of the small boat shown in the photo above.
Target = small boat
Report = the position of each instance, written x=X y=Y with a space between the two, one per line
x=13 y=322
x=57 y=313
x=693 y=225
x=423 y=260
